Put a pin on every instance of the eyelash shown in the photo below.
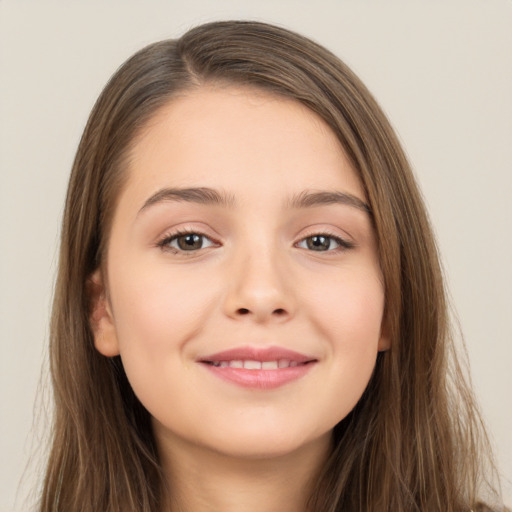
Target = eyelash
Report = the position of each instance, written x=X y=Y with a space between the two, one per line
x=167 y=239
x=343 y=245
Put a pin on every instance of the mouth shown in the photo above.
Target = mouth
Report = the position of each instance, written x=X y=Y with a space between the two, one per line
x=259 y=368
x=251 y=364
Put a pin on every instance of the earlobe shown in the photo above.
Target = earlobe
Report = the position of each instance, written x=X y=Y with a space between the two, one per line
x=384 y=343
x=100 y=316
x=385 y=337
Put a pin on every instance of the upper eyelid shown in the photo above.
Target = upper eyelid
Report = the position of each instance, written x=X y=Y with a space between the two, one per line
x=212 y=235
x=185 y=229
x=309 y=232
x=176 y=234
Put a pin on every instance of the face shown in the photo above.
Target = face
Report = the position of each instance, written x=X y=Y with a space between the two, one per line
x=242 y=286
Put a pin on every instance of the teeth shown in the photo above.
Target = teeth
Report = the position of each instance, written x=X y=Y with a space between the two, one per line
x=252 y=365
x=256 y=365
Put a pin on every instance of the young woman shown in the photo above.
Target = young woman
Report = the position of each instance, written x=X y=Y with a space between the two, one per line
x=249 y=312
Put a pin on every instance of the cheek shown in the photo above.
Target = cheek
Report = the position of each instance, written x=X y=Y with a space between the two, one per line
x=349 y=308
x=348 y=314
x=156 y=313
x=157 y=305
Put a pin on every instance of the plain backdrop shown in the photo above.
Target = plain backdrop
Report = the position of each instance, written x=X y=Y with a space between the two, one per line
x=442 y=70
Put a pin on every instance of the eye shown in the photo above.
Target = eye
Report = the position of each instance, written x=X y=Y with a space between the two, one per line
x=189 y=242
x=323 y=243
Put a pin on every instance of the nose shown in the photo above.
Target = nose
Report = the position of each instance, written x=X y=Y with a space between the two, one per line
x=258 y=289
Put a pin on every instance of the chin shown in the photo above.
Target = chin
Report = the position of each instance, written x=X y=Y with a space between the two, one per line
x=264 y=443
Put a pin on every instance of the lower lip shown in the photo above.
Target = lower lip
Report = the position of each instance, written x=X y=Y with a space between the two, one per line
x=260 y=379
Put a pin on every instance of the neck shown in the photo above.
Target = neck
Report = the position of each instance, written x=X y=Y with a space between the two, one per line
x=200 y=480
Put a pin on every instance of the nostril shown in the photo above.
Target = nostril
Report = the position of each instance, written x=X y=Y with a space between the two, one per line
x=276 y=312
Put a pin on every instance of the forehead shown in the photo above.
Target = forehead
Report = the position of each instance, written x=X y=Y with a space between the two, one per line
x=240 y=139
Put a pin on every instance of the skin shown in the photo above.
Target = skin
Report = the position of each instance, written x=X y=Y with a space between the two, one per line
x=255 y=282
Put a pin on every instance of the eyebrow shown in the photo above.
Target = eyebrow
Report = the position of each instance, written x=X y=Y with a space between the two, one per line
x=206 y=195
x=201 y=195
x=310 y=199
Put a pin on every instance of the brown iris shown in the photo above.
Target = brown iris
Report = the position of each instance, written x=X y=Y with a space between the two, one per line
x=318 y=243
x=189 y=242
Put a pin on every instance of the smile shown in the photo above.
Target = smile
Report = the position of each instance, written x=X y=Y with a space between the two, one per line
x=256 y=365
x=259 y=368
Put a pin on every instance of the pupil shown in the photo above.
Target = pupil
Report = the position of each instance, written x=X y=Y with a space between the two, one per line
x=189 y=242
x=319 y=243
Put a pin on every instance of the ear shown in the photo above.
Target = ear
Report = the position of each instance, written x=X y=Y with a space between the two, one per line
x=384 y=343
x=385 y=337
x=100 y=316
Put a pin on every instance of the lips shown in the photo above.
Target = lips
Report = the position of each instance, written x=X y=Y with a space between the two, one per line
x=258 y=354
x=259 y=368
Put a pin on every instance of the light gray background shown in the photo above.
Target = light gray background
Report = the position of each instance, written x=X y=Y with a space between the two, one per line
x=442 y=70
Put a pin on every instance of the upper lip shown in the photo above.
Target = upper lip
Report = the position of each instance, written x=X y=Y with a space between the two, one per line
x=257 y=354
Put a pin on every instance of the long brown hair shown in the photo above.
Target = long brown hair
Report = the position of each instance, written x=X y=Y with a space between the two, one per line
x=414 y=442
